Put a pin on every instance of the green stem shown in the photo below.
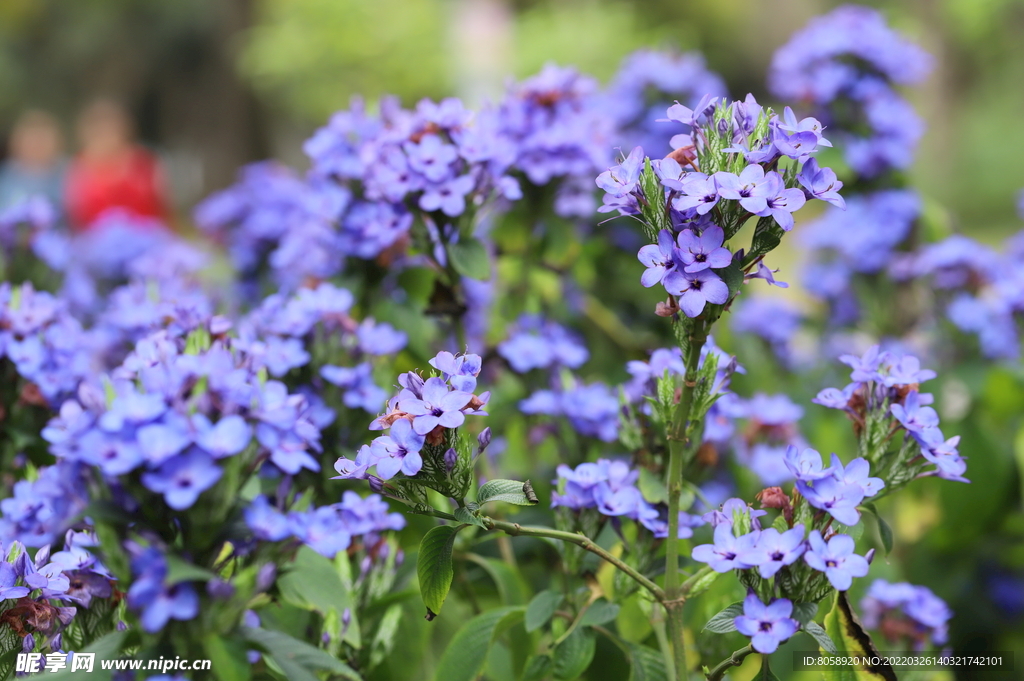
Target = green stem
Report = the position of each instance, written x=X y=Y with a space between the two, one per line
x=677 y=451
x=658 y=624
x=734 y=660
x=585 y=543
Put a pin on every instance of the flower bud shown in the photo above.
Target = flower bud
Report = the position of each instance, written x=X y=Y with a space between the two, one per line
x=28 y=643
x=346 y=620
x=484 y=438
x=57 y=642
x=399 y=558
x=376 y=484
x=219 y=589
x=265 y=577
x=251 y=619
x=869 y=556
x=451 y=457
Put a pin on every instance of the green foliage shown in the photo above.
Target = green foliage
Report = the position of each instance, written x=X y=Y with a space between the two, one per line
x=470 y=258
x=815 y=631
x=599 y=612
x=646 y=664
x=725 y=621
x=508 y=491
x=542 y=607
x=434 y=567
x=466 y=654
x=573 y=655
x=850 y=639
x=296 y=659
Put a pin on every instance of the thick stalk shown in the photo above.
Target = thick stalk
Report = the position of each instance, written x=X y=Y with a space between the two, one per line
x=677 y=451
x=585 y=543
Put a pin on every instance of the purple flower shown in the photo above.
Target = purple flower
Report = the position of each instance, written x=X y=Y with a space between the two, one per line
x=906 y=371
x=8 y=577
x=726 y=515
x=230 y=436
x=699 y=252
x=657 y=258
x=839 y=499
x=265 y=521
x=865 y=368
x=621 y=180
x=836 y=559
x=431 y=157
x=691 y=117
x=84 y=585
x=696 y=289
x=698 y=192
x=448 y=197
x=182 y=479
x=943 y=453
x=728 y=551
x=766 y=625
x=438 y=407
x=752 y=188
x=767 y=274
x=779 y=549
x=380 y=338
x=913 y=416
x=806 y=464
x=834 y=398
x=857 y=472
x=399 y=450
x=821 y=183
x=783 y=204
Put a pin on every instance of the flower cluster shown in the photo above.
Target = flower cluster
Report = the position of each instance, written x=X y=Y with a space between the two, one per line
x=845 y=64
x=38 y=511
x=609 y=486
x=422 y=413
x=772 y=426
x=773 y=319
x=39 y=588
x=592 y=409
x=327 y=529
x=738 y=161
x=885 y=394
x=537 y=343
x=904 y=612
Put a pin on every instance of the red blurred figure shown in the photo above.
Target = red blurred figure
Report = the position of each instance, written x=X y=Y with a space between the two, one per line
x=112 y=170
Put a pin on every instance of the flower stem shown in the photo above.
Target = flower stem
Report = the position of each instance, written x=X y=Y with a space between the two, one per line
x=677 y=437
x=585 y=543
x=734 y=660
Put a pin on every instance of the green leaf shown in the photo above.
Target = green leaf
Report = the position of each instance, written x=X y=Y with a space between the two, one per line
x=599 y=612
x=851 y=640
x=180 y=570
x=766 y=671
x=573 y=655
x=464 y=515
x=537 y=667
x=470 y=259
x=732 y=275
x=509 y=491
x=466 y=653
x=297 y=659
x=767 y=236
x=227 y=658
x=434 y=567
x=384 y=639
x=313 y=583
x=542 y=607
x=780 y=524
x=703 y=583
x=884 y=530
x=511 y=586
x=804 y=612
x=815 y=631
x=653 y=488
x=646 y=664
x=724 y=622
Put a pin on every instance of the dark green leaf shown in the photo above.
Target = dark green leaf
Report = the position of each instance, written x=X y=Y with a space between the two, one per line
x=851 y=640
x=646 y=664
x=511 y=586
x=464 y=515
x=542 y=607
x=297 y=659
x=537 y=667
x=732 y=276
x=766 y=671
x=804 y=612
x=703 y=584
x=574 y=654
x=470 y=258
x=653 y=488
x=313 y=583
x=884 y=530
x=466 y=654
x=227 y=658
x=599 y=612
x=816 y=632
x=724 y=622
x=180 y=570
x=384 y=639
x=434 y=567
x=509 y=491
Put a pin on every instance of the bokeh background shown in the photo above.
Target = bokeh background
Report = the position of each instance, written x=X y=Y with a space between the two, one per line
x=215 y=84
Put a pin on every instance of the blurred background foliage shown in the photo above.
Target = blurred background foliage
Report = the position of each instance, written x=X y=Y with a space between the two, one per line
x=215 y=84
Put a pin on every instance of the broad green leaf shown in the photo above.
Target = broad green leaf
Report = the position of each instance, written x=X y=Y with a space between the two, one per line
x=646 y=664
x=653 y=487
x=538 y=667
x=227 y=658
x=766 y=670
x=804 y=612
x=725 y=621
x=850 y=639
x=297 y=659
x=384 y=639
x=703 y=584
x=815 y=631
x=466 y=653
x=470 y=259
x=464 y=515
x=884 y=530
x=541 y=609
x=313 y=583
x=599 y=612
x=511 y=586
x=574 y=654
x=509 y=491
x=434 y=567
x=180 y=570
